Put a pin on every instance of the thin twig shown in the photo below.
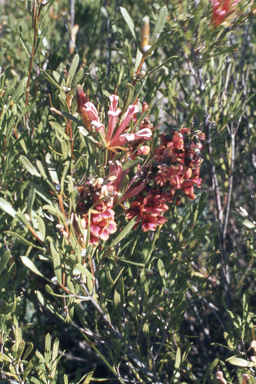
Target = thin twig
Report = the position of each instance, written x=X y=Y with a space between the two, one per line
x=72 y=22
x=30 y=65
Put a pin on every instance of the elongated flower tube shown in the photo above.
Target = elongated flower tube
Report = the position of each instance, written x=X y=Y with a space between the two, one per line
x=113 y=135
x=222 y=9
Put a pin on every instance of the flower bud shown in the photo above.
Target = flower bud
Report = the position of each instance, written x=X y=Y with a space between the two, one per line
x=144 y=40
x=144 y=150
x=81 y=100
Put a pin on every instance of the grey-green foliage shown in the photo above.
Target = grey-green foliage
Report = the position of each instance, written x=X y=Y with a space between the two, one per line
x=137 y=305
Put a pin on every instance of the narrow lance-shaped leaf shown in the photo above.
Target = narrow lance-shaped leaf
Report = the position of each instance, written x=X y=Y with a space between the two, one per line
x=51 y=80
x=81 y=269
x=51 y=169
x=28 y=351
x=55 y=353
x=159 y=24
x=247 y=223
x=157 y=43
x=41 y=192
x=18 y=91
x=124 y=232
x=240 y=362
x=56 y=262
x=161 y=269
x=47 y=352
x=22 y=42
x=128 y=21
x=58 y=128
x=29 y=167
x=128 y=97
x=23 y=240
x=71 y=117
x=30 y=202
x=164 y=64
x=72 y=70
x=30 y=265
x=177 y=358
x=6 y=207
x=4 y=260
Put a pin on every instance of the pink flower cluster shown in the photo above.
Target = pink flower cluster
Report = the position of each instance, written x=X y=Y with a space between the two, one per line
x=176 y=166
x=99 y=196
x=173 y=166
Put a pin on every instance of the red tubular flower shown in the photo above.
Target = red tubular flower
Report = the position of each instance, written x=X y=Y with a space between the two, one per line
x=222 y=9
x=114 y=136
x=148 y=209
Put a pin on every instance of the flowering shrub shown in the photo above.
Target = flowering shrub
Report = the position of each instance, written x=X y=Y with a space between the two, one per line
x=174 y=165
x=121 y=256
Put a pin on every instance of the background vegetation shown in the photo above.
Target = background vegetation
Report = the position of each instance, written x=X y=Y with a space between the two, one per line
x=176 y=305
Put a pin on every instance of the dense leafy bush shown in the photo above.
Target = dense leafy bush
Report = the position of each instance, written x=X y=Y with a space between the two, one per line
x=114 y=265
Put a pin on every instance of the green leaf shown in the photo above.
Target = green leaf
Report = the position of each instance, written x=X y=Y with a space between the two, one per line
x=58 y=128
x=23 y=240
x=210 y=369
x=124 y=232
x=155 y=69
x=5 y=257
x=71 y=117
x=81 y=269
x=20 y=349
x=72 y=70
x=128 y=55
x=30 y=201
x=39 y=226
x=28 y=351
x=157 y=43
x=18 y=90
x=66 y=167
x=30 y=168
x=6 y=207
x=4 y=357
x=31 y=365
x=79 y=77
x=51 y=169
x=128 y=97
x=30 y=265
x=5 y=279
x=128 y=21
x=40 y=356
x=177 y=358
x=55 y=353
x=139 y=56
x=51 y=80
x=56 y=212
x=247 y=223
x=161 y=269
x=41 y=192
x=56 y=262
x=159 y=25
x=132 y=163
x=22 y=42
x=131 y=262
x=41 y=169
x=240 y=362
x=200 y=232
x=47 y=351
